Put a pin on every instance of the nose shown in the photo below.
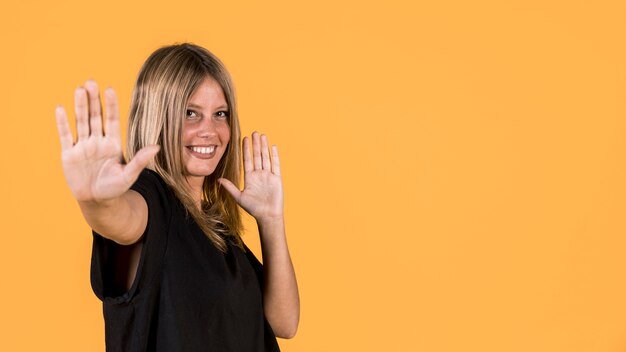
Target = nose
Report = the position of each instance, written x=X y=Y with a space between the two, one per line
x=207 y=128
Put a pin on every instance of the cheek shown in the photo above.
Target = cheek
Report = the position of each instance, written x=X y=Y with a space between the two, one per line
x=224 y=132
x=188 y=133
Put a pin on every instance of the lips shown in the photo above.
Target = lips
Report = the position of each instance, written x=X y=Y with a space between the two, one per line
x=202 y=152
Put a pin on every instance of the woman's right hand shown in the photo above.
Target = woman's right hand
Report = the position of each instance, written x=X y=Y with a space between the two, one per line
x=93 y=165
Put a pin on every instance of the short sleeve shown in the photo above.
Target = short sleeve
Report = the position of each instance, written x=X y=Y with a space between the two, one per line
x=256 y=265
x=159 y=198
x=270 y=343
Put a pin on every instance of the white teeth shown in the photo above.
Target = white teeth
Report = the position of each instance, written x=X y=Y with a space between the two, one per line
x=203 y=150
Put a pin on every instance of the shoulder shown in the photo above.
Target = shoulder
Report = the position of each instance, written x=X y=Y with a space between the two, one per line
x=149 y=180
x=158 y=195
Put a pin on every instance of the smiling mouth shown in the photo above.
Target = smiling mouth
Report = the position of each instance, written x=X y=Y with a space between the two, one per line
x=202 y=152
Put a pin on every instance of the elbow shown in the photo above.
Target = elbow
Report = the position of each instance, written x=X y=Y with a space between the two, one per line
x=287 y=337
x=284 y=321
x=287 y=332
x=287 y=328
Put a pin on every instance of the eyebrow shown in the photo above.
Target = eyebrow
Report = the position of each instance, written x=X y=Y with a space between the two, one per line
x=194 y=106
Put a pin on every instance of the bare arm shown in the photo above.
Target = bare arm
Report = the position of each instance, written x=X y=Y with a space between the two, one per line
x=122 y=219
x=94 y=171
x=262 y=197
x=281 y=301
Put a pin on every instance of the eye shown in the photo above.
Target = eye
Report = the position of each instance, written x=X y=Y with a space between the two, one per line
x=222 y=114
x=191 y=115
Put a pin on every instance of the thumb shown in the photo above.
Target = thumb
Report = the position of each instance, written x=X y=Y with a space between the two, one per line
x=139 y=162
x=230 y=188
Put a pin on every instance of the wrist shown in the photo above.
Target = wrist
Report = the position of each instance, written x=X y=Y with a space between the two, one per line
x=270 y=221
x=94 y=205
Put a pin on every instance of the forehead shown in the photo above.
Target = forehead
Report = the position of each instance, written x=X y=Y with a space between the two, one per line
x=208 y=95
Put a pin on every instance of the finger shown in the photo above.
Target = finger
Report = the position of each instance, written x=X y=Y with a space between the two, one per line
x=247 y=158
x=82 y=114
x=256 y=151
x=265 y=153
x=95 y=108
x=275 y=161
x=230 y=188
x=65 y=135
x=139 y=162
x=112 y=127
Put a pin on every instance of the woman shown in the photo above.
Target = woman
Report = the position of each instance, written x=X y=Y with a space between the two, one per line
x=168 y=261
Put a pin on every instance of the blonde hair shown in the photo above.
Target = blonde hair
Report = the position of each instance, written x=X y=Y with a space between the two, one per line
x=164 y=86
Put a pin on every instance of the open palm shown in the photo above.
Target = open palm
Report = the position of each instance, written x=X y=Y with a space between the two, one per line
x=93 y=166
x=262 y=196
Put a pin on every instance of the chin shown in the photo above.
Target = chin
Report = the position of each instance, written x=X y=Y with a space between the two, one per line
x=201 y=173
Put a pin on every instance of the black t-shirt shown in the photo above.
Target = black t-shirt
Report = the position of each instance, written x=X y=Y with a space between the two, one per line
x=187 y=295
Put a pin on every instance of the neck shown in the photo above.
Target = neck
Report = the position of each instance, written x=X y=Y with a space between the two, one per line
x=196 y=184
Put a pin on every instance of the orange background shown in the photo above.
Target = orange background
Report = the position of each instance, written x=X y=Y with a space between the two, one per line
x=454 y=170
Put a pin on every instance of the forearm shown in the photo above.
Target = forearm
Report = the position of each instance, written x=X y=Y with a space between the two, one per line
x=122 y=219
x=281 y=301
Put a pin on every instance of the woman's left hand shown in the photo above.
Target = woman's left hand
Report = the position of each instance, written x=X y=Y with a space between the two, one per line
x=262 y=195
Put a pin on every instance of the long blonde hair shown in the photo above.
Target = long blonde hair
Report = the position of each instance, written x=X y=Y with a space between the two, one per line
x=164 y=86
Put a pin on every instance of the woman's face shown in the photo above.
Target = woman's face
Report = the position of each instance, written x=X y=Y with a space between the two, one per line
x=205 y=131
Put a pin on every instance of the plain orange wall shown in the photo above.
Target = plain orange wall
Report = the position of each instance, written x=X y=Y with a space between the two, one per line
x=454 y=170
